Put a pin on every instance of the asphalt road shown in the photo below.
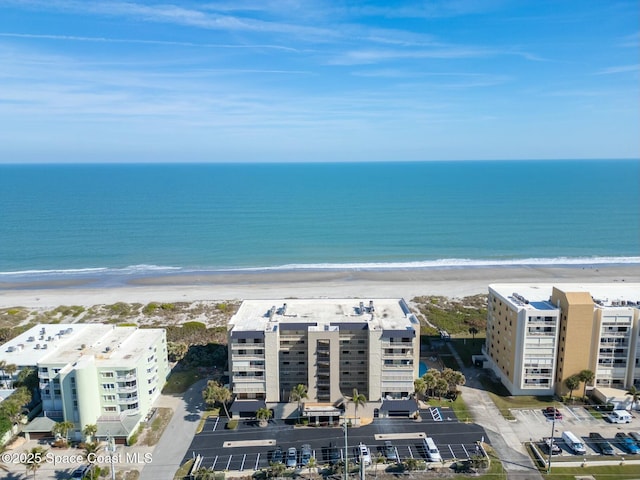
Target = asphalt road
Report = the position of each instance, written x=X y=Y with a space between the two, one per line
x=454 y=440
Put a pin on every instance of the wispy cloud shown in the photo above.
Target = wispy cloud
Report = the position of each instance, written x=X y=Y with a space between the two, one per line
x=619 y=69
x=73 y=38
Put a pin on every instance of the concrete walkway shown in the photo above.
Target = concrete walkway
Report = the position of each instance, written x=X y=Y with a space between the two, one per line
x=177 y=437
x=515 y=460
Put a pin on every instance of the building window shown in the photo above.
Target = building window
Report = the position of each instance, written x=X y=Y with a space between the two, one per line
x=110 y=409
x=107 y=374
x=108 y=386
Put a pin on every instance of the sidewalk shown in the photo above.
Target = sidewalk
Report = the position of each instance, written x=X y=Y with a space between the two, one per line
x=515 y=460
x=177 y=437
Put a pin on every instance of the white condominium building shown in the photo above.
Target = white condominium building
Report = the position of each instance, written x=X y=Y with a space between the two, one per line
x=93 y=373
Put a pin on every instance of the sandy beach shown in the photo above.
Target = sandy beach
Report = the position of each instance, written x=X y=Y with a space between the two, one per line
x=450 y=282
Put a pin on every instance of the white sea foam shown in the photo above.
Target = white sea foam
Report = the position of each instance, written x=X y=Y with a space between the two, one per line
x=145 y=270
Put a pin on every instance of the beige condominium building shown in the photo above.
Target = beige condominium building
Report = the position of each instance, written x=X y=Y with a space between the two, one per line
x=94 y=374
x=539 y=335
x=330 y=346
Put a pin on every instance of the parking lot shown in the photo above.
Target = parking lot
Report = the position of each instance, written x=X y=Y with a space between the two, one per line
x=250 y=447
x=533 y=425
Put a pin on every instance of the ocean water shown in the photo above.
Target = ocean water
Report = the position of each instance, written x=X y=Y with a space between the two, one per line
x=129 y=220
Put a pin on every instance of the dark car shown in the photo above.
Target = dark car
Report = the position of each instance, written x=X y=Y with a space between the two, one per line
x=305 y=454
x=334 y=455
x=601 y=444
x=554 y=447
x=627 y=443
x=390 y=451
x=81 y=472
x=552 y=412
x=277 y=456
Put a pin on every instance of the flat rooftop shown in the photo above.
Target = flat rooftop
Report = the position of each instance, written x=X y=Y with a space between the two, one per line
x=67 y=343
x=606 y=294
x=385 y=314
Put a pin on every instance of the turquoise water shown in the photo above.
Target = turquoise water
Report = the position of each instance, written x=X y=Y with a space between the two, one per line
x=422 y=369
x=128 y=220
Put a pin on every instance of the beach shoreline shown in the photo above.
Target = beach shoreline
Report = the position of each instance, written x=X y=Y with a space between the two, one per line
x=454 y=282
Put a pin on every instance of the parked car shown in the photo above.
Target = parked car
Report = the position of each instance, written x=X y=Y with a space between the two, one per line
x=277 y=456
x=81 y=472
x=390 y=451
x=627 y=443
x=601 y=444
x=555 y=448
x=635 y=436
x=305 y=454
x=364 y=454
x=292 y=457
x=334 y=455
x=552 y=412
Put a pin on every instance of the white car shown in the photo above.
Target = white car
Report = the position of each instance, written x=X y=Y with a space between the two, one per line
x=363 y=453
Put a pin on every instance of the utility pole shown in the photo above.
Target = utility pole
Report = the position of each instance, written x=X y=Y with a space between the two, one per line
x=111 y=448
x=553 y=429
x=346 y=450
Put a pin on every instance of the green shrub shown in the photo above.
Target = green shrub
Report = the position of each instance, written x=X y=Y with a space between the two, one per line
x=232 y=424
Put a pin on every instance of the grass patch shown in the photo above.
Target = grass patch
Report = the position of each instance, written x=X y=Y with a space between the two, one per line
x=157 y=427
x=466 y=347
x=454 y=316
x=208 y=414
x=458 y=406
x=184 y=469
x=178 y=382
x=505 y=402
x=600 y=473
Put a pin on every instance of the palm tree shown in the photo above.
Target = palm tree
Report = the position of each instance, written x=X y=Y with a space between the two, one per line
x=90 y=430
x=358 y=400
x=215 y=393
x=263 y=415
x=586 y=376
x=34 y=459
x=298 y=393
x=10 y=369
x=473 y=331
x=420 y=386
x=572 y=383
x=62 y=428
x=635 y=395
x=431 y=379
x=441 y=387
x=313 y=464
x=91 y=450
x=3 y=364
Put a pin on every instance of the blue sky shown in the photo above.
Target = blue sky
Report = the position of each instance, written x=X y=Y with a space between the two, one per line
x=287 y=80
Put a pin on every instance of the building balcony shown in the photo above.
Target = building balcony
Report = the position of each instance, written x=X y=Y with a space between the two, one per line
x=133 y=388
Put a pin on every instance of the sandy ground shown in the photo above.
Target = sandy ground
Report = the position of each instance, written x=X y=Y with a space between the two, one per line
x=450 y=282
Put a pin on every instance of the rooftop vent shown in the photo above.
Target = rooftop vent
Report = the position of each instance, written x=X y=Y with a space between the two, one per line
x=45 y=346
x=37 y=347
x=31 y=339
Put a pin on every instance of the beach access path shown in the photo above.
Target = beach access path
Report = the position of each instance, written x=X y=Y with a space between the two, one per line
x=517 y=464
x=172 y=447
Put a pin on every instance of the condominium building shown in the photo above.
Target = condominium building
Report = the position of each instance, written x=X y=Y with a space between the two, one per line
x=539 y=335
x=94 y=374
x=330 y=346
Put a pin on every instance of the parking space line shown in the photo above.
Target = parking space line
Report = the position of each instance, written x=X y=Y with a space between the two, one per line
x=573 y=414
x=244 y=457
x=229 y=462
x=257 y=461
x=215 y=425
x=213 y=467
x=465 y=451
x=453 y=455
x=410 y=452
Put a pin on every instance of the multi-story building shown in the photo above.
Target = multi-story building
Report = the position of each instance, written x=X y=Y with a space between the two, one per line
x=330 y=346
x=94 y=374
x=539 y=335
